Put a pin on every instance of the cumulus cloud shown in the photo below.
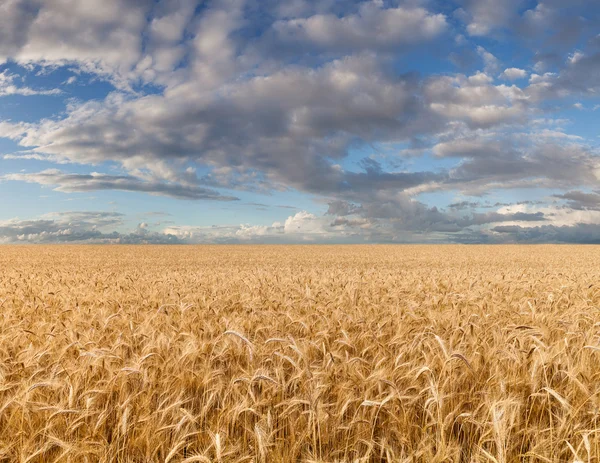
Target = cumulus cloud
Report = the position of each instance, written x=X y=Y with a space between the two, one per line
x=393 y=27
x=476 y=100
x=514 y=74
x=103 y=37
x=290 y=137
x=254 y=125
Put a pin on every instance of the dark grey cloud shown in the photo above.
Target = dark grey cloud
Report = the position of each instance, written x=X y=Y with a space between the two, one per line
x=342 y=221
x=518 y=203
x=16 y=17
x=580 y=75
x=544 y=164
x=267 y=206
x=552 y=28
x=400 y=212
x=464 y=205
x=495 y=217
x=342 y=208
x=542 y=25
x=67 y=182
x=579 y=200
x=582 y=233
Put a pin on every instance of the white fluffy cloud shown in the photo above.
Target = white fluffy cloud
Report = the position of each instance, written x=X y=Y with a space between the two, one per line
x=103 y=37
x=476 y=100
x=9 y=86
x=372 y=27
x=514 y=74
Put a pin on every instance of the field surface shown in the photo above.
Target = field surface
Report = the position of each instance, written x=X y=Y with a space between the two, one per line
x=300 y=354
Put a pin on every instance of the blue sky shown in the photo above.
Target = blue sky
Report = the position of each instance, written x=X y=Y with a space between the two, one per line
x=190 y=121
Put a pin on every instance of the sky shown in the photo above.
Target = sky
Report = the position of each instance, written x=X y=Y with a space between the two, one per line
x=299 y=121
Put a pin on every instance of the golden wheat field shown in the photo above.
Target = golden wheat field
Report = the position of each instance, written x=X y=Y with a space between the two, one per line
x=300 y=354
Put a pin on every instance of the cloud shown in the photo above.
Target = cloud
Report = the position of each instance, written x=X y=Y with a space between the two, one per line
x=253 y=126
x=395 y=27
x=491 y=63
x=476 y=101
x=579 y=200
x=544 y=164
x=486 y=16
x=305 y=224
x=542 y=158
x=514 y=74
x=574 y=77
x=16 y=17
x=407 y=221
x=464 y=205
x=299 y=228
x=579 y=233
x=79 y=227
x=8 y=87
x=68 y=182
x=104 y=37
x=91 y=219
x=257 y=134
x=11 y=130
x=165 y=48
x=59 y=227
x=398 y=217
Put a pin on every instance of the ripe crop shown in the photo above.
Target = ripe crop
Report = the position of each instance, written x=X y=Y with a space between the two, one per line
x=300 y=354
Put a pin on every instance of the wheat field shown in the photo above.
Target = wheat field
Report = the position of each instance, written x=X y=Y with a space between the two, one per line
x=300 y=354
